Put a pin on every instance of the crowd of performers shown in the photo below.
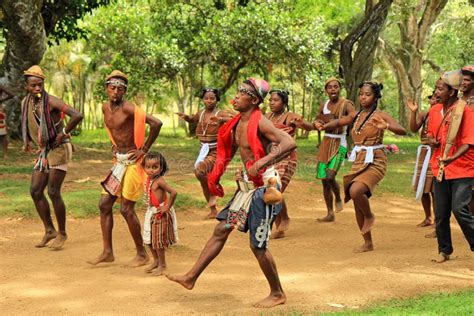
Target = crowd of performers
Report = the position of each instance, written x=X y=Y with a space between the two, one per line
x=443 y=174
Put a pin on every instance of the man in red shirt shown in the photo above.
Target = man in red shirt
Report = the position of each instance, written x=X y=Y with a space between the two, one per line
x=453 y=192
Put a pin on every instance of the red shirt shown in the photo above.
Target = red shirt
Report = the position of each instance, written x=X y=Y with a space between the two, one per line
x=463 y=167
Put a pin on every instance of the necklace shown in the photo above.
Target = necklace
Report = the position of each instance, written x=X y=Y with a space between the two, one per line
x=278 y=117
x=204 y=129
x=359 y=129
x=147 y=193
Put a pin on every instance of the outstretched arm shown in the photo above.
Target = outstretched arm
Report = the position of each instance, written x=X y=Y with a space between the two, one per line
x=188 y=118
x=163 y=185
x=301 y=123
x=343 y=121
x=391 y=124
x=283 y=146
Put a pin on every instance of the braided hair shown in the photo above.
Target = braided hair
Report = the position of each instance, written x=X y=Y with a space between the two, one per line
x=283 y=94
x=216 y=92
x=154 y=155
x=377 y=90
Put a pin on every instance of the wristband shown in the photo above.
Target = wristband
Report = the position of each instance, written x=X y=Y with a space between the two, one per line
x=64 y=132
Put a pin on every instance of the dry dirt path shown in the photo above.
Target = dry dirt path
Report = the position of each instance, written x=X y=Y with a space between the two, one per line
x=316 y=264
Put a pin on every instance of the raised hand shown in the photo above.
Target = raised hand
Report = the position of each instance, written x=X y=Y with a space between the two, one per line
x=412 y=105
x=181 y=115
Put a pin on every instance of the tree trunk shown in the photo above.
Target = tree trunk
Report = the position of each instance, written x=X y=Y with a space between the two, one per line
x=25 y=45
x=406 y=58
x=358 y=48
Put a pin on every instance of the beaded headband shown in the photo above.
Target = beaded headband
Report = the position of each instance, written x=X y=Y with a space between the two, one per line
x=116 y=82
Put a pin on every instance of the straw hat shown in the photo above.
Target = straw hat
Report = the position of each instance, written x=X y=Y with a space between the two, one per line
x=34 y=71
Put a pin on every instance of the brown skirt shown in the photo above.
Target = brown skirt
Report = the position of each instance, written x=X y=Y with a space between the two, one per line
x=369 y=174
x=286 y=169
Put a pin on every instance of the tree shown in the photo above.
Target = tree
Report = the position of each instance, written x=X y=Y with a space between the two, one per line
x=358 y=47
x=407 y=56
x=26 y=26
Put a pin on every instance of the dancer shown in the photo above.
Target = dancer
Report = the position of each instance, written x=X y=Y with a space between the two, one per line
x=253 y=135
x=125 y=125
x=422 y=177
x=160 y=226
x=333 y=148
x=208 y=122
x=3 y=120
x=283 y=119
x=368 y=155
x=451 y=129
x=43 y=124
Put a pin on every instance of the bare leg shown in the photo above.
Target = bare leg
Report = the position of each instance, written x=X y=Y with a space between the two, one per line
x=39 y=180
x=211 y=199
x=128 y=212
x=155 y=262
x=161 y=269
x=337 y=193
x=55 y=181
x=368 y=245
x=327 y=192
x=106 y=224
x=268 y=266
x=426 y=202
x=282 y=222
x=358 y=194
x=212 y=248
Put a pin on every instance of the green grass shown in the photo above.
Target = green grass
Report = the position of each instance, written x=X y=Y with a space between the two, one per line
x=456 y=303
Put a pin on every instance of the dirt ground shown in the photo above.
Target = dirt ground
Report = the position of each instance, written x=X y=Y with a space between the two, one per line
x=317 y=266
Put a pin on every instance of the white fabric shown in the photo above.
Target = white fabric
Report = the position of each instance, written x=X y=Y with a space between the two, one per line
x=120 y=166
x=326 y=109
x=424 y=169
x=205 y=147
x=369 y=156
x=342 y=137
x=271 y=172
x=150 y=212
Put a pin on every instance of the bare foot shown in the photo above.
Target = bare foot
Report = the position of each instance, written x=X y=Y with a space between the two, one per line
x=159 y=271
x=58 y=242
x=431 y=235
x=339 y=206
x=364 y=248
x=152 y=266
x=277 y=234
x=284 y=225
x=442 y=257
x=425 y=222
x=212 y=201
x=138 y=261
x=48 y=236
x=327 y=219
x=212 y=214
x=184 y=280
x=368 y=224
x=271 y=301
x=104 y=257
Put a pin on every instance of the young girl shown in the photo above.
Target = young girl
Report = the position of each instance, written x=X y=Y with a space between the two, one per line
x=368 y=155
x=160 y=226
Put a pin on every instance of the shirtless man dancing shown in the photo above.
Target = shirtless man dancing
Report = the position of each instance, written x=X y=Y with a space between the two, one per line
x=125 y=125
x=260 y=145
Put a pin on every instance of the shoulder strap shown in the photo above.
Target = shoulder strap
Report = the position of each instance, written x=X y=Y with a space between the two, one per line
x=139 y=127
x=456 y=118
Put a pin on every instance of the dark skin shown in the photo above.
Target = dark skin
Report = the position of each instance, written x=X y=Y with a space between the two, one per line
x=119 y=118
x=268 y=134
x=331 y=189
x=54 y=179
x=159 y=187
x=358 y=191
x=210 y=101
x=416 y=121
x=278 y=108
x=8 y=96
